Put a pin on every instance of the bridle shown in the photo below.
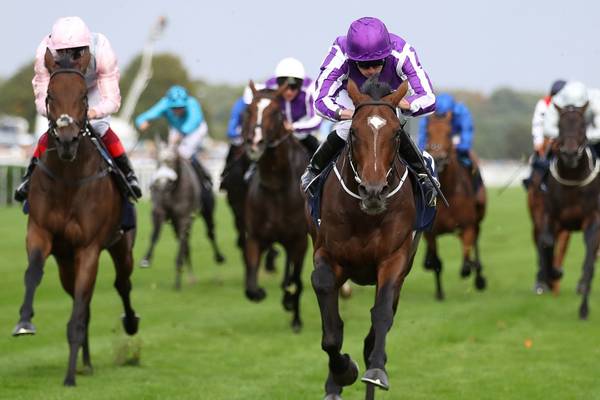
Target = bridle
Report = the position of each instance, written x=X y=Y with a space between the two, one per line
x=270 y=144
x=353 y=164
x=54 y=124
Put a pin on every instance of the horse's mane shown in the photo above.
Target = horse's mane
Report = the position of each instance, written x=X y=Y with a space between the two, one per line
x=375 y=89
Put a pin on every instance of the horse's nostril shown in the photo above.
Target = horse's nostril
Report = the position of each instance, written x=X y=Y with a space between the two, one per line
x=362 y=190
x=385 y=189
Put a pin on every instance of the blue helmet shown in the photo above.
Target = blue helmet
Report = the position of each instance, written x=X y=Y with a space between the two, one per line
x=557 y=86
x=177 y=96
x=444 y=103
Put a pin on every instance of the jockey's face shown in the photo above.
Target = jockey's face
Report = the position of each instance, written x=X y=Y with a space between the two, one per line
x=178 y=111
x=290 y=93
x=370 y=68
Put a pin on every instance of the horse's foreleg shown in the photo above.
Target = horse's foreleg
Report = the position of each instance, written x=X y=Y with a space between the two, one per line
x=433 y=262
x=208 y=211
x=297 y=262
x=326 y=280
x=182 y=226
x=157 y=222
x=122 y=258
x=87 y=362
x=467 y=238
x=86 y=268
x=592 y=240
x=39 y=245
x=562 y=242
x=252 y=253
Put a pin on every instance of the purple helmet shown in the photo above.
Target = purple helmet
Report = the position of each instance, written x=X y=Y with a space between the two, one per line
x=368 y=39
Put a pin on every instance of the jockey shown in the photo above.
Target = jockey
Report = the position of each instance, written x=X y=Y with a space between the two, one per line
x=187 y=125
x=366 y=50
x=297 y=101
x=462 y=126
x=70 y=34
x=576 y=94
x=537 y=122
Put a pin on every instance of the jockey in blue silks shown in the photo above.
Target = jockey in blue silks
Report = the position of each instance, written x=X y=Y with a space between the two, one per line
x=462 y=126
x=187 y=127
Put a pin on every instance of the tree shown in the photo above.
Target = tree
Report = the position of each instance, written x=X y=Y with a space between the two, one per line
x=16 y=95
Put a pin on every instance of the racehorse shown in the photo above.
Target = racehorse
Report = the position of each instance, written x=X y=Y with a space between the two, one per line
x=74 y=211
x=572 y=199
x=466 y=210
x=535 y=204
x=274 y=202
x=177 y=194
x=236 y=187
x=366 y=232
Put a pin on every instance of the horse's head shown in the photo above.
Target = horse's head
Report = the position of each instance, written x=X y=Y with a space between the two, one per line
x=439 y=139
x=374 y=139
x=66 y=100
x=263 y=122
x=572 y=139
x=165 y=178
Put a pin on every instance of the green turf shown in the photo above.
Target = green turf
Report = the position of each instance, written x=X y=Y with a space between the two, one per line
x=209 y=342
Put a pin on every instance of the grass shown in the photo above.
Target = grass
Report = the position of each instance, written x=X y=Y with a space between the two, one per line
x=209 y=342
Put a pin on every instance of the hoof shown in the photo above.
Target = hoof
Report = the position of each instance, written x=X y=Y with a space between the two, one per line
x=86 y=370
x=584 y=312
x=288 y=301
x=465 y=271
x=540 y=288
x=256 y=295
x=219 y=258
x=145 y=263
x=296 y=326
x=24 y=328
x=333 y=397
x=480 y=282
x=69 y=381
x=131 y=324
x=349 y=376
x=439 y=296
x=377 y=377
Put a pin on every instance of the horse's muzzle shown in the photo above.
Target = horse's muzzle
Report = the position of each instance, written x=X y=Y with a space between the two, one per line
x=373 y=197
x=67 y=150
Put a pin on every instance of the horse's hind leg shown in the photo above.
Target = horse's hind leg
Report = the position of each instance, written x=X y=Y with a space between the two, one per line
x=38 y=248
x=480 y=281
x=433 y=262
x=208 y=211
x=122 y=258
x=182 y=226
x=87 y=362
x=297 y=258
x=157 y=222
x=592 y=240
x=270 y=258
x=560 y=251
x=86 y=268
x=326 y=281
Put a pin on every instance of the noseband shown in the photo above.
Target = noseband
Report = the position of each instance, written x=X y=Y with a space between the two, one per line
x=65 y=120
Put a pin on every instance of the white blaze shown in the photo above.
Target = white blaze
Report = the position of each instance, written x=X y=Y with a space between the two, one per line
x=376 y=123
x=262 y=104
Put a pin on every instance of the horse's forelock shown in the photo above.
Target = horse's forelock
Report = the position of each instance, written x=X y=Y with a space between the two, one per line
x=375 y=89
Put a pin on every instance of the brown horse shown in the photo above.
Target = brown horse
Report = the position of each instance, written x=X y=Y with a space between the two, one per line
x=75 y=212
x=366 y=232
x=466 y=210
x=572 y=199
x=274 y=203
x=535 y=204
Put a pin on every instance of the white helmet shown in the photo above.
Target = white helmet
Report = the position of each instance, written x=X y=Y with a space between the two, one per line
x=573 y=94
x=289 y=68
x=69 y=32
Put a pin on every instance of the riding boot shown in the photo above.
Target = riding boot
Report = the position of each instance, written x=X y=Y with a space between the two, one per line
x=464 y=158
x=408 y=151
x=125 y=166
x=323 y=156
x=310 y=143
x=23 y=190
x=202 y=174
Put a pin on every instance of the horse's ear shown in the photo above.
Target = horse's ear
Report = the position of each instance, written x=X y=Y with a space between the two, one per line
x=252 y=88
x=398 y=95
x=584 y=107
x=355 y=94
x=559 y=109
x=448 y=116
x=49 y=61
x=83 y=61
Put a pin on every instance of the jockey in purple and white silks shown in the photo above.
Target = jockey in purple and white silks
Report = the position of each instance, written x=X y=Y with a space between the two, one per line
x=366 y=50
x=296 y=103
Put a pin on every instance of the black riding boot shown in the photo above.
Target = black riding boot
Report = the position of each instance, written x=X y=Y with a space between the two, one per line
x=23 y=190
x=323 y=156
x=203 y=175
x=125 y=166
x=310 y=143
x=408 y=153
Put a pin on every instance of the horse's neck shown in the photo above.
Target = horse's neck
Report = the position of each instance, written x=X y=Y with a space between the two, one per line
x=275 y=165
x=449 y=177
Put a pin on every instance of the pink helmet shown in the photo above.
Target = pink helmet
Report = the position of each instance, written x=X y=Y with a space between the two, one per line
x=69 y=32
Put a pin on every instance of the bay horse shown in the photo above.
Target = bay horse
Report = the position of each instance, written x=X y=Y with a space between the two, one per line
x=74 y=212
x=274 y=202
x=234 y=183
x=466 y=210
x=366 y=232
x=535 y=204
x=177 y=194
x=572 y=201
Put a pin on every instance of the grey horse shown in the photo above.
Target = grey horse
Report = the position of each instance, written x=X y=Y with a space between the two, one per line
x=177 y=195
